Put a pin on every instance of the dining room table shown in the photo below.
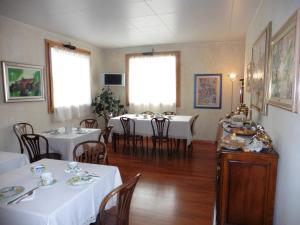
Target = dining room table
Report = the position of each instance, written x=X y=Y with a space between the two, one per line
x=180 y=126
x=63 y=143
x=62 y=202
x=12 y=160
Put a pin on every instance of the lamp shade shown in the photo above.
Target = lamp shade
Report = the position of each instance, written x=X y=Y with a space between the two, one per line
x=232 y=76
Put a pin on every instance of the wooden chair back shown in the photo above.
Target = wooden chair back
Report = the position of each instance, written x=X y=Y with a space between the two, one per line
x=169 y=113
x=89 y=123
x=160 y=127
x=128 y=126
x=124 y=195
x=90 y=152
x=193 y=124
x=105 y=133
x=22 y=128
x=32 y=143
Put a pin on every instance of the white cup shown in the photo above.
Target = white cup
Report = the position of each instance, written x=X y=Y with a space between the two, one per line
x=37 y=169
x=145 y=116
x=72 y=165
x=47 y=178
x=68 y=129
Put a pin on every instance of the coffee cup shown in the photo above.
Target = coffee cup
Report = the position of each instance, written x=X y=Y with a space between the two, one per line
x=47 y=178
x=37 y=169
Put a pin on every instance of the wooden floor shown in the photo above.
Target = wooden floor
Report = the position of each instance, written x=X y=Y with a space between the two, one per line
x=173 y=190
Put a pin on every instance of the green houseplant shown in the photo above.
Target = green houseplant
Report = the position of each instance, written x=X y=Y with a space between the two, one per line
x=106 y=105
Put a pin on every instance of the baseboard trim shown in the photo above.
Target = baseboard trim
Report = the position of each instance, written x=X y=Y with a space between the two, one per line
x=204 y=141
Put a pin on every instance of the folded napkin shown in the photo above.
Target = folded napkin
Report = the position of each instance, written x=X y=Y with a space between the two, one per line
x=26 y=198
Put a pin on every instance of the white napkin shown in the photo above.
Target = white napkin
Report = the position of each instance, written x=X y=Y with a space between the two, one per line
x=27 y=198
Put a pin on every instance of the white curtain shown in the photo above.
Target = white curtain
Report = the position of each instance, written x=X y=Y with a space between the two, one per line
x=71 y=84
x=152 y=83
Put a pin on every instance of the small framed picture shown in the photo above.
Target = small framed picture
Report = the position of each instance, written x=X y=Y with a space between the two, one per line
x=22 y=82
x=208 y=91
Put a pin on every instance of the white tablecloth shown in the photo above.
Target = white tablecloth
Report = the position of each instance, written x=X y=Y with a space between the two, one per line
x=60 y=204
x=64 y=143
x=10 y=161
x=180 y=126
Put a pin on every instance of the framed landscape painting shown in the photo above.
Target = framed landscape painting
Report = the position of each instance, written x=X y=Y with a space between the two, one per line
x=284 y=71
x=260 y=57
x=208 y=91
x=22 y=82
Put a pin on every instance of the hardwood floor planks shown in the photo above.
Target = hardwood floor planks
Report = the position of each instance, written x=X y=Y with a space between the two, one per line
x=177 y=190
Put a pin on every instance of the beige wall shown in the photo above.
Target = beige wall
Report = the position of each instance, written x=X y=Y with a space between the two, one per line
x=283 y=126
x=25 y=44
x=206 y=57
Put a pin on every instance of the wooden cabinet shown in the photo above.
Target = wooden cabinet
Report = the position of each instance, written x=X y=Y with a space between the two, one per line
x=246 y=187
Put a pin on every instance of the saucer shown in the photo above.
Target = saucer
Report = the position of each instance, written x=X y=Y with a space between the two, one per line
x=80 y=180
x=48 y=185
x=75 y=170
x=7 y=192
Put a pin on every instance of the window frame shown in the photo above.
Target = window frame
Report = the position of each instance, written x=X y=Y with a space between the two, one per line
x=48 y=45
x=165 y=53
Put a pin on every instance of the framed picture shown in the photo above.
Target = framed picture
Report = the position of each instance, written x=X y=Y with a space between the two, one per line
x=22 y=82
x=248 y=76
x=284 y=66
x=208 y=91
x=260 y=57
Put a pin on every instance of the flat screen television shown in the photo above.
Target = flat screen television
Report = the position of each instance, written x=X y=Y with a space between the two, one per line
x=114 y=79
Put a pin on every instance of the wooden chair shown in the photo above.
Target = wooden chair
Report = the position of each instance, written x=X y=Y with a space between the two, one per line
x=22 y=128
x=119 y=214
x=169 y=113
x=193 y=124
x=89 y=123
x=129 y=134
x=32 y=143
x=105 y=133
x=194 y=119
x=160 y=128
x=90 y=152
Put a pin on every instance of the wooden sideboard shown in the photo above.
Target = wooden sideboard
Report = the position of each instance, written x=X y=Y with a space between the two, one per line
x=246 y=183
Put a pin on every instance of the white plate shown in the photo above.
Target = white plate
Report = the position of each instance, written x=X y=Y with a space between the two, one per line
x=7 y=192
x=80 y=180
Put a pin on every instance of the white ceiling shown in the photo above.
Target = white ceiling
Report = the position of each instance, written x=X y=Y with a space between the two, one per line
x=121 y=23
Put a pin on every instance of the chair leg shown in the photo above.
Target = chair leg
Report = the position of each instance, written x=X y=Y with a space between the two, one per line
x=154 y=145
x=114 y=142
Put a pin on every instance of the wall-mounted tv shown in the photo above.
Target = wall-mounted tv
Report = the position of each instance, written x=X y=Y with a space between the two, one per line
x=114 y=79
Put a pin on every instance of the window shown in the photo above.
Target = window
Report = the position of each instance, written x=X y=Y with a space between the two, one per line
x=153 y=82
x=69 y=79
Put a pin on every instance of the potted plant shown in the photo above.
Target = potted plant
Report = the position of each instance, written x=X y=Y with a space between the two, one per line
x=107 y=105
